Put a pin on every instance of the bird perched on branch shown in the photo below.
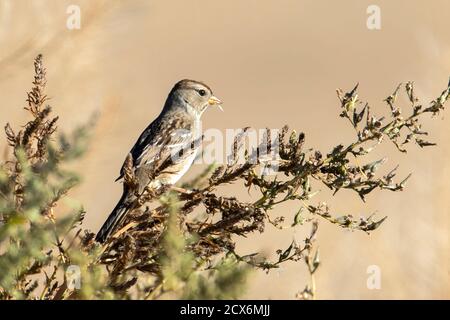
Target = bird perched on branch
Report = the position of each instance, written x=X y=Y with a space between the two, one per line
x=165 y=150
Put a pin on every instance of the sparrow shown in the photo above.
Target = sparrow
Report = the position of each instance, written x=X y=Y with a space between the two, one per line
x=166 y=148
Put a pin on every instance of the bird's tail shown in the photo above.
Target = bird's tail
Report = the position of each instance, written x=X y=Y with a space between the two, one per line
x=114 y=219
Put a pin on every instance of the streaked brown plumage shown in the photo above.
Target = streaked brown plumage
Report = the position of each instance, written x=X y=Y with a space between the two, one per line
x=166 y=148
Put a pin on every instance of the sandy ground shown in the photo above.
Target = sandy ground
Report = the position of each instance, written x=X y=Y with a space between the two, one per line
x=272 y=62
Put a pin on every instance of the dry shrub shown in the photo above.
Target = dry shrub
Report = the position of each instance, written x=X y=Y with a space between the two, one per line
x=166 y=251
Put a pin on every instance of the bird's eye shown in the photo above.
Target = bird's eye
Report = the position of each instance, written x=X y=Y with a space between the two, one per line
x=201 y=92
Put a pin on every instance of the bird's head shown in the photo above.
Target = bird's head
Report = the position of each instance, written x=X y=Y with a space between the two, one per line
x=195 y=95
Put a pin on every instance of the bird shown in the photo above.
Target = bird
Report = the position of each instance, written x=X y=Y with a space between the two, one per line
x=165 y=150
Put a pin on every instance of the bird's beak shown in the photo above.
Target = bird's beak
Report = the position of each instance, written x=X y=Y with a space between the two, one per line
x=213 y=101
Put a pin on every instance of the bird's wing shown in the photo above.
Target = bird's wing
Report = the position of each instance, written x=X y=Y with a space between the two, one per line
x=162 y=144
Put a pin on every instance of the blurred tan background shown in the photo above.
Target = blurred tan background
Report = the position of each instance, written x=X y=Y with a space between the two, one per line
x=272 y=62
